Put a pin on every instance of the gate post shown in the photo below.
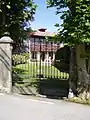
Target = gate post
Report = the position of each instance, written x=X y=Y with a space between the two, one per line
x=5 y=64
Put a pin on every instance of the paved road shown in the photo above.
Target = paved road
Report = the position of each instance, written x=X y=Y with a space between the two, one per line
x=21 y=108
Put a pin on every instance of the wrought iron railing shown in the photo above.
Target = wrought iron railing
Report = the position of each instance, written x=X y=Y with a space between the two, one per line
x=38 y=62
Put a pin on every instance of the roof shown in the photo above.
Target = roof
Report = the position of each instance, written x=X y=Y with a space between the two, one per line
x=42 y=33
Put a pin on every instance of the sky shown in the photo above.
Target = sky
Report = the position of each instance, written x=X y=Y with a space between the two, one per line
x=45 y=18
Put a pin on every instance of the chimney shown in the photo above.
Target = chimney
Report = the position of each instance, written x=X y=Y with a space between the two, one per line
x=42 y=29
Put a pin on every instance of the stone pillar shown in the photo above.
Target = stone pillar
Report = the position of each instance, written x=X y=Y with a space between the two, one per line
x=38 y=56
x=5 y=64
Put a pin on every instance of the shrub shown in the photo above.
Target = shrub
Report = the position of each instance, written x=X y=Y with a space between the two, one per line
x=20 y=58
x=26 y=54
x=16 y=75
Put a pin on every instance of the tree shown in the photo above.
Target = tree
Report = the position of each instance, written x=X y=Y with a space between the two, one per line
x=75 y=31
x=14 y=14
x=76 y=22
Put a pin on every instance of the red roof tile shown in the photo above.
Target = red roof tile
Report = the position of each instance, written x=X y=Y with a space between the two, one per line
x=42 y=32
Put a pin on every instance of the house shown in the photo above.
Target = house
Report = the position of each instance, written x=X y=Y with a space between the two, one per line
x=41 y=48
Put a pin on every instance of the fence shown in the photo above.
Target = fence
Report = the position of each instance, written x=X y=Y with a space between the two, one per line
x=34 y=61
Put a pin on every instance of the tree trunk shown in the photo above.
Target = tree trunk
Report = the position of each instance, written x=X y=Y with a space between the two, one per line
x=89 y=67
x=73 y=71
x=83 y=77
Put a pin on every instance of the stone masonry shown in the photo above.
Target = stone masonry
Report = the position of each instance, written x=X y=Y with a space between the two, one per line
x=5 y=64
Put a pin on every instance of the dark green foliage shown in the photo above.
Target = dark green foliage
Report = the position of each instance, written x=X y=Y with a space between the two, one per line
x=16 y=75
x=76 y=20
x=13 y=15
x=62 y=59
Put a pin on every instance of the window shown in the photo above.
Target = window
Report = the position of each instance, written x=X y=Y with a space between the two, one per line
x=34 y=55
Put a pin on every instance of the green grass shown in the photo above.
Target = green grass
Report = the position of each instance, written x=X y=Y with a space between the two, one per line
x=29 y=71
